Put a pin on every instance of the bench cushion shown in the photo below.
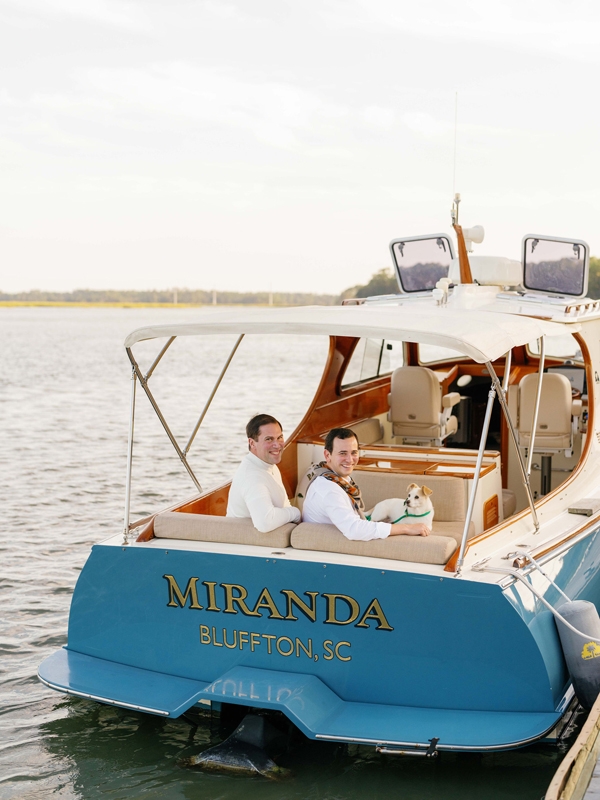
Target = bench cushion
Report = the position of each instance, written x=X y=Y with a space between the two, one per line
x=207 y=528
x=420 y=549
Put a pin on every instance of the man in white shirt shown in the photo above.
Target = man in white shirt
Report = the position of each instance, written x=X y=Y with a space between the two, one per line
x=334 y=498
x=257 y=490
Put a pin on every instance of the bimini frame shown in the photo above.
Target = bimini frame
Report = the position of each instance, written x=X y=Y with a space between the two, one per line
x=416 y=323
x=136 y=374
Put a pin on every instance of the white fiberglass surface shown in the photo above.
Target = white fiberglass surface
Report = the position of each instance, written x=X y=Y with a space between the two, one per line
x=565 y=346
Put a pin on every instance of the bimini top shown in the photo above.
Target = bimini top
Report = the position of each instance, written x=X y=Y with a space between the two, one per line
x=480 y=335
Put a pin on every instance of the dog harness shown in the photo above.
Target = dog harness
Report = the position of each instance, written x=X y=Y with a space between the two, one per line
x=412 y=516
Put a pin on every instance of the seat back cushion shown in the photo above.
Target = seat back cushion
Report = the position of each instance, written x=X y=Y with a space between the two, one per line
x=368 y=431
x=419 y=549
x=554 y=418
x=207 y=528
x=448 y=492
x=415 y=401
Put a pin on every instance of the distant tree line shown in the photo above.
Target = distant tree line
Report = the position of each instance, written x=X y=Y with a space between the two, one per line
x=594 y=280
x=381 y=282
x=174 y=296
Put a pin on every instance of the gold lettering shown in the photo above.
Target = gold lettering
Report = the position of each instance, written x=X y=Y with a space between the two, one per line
x=231 y=600
x=331 y=609
x=294 y=600
x=328 y=655
x=226 y=643
x=214 y=637
x=253 y=641
x=278 y=645
x=269 y=637
x=307 y=651
x=375 y=611
x=243 y=641
x=212 y=598
x=175 y=592
x=204 y=634
x=266 y=601
x=337 y=651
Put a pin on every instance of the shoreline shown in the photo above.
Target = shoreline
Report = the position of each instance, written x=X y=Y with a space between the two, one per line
x=128 y=304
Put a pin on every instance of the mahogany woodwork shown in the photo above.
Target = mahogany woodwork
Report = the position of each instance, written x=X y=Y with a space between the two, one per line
x=491 y=512
x=147 y=532
x=463 y=256
x=214 y=502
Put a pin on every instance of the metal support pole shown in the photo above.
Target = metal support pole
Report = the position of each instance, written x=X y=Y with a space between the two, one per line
x=546 y=475
x=507 y=366
x=186 y=449
x=471 y=506
x=163 y=421
x=536 y=409
x=515 y=441
x=129 y=458
x=159 y=356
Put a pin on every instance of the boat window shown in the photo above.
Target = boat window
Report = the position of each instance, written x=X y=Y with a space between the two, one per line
x=421 y=262
x=371 y=358
x=565 y=347
x=555 y=266
x=430 y=353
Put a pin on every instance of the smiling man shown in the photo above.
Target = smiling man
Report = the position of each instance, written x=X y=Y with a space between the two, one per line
x=257 y=490
x=333 y=497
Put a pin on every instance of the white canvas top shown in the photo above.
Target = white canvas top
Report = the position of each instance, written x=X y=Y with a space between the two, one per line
x=481 y=335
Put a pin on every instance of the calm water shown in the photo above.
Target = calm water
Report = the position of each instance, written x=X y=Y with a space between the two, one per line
x=64 y=397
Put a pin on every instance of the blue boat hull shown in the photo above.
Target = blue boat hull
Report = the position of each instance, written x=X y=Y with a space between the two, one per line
x=349 y=653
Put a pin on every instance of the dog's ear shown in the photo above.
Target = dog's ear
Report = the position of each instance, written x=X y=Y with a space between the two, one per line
x=411 y=487
x=426 y=490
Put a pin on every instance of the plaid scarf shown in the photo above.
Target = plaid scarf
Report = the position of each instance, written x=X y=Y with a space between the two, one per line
x=321 y=470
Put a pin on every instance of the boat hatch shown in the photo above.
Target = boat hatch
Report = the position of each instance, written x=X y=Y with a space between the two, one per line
x=421 y=261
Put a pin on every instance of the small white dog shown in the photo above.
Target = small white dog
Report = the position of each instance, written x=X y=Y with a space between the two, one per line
x=416 y=508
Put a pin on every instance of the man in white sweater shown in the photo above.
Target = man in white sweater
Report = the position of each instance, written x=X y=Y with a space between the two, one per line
x=333 y=497
x=257 y=490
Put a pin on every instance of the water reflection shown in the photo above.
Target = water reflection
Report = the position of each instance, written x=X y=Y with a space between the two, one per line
x=113 y=753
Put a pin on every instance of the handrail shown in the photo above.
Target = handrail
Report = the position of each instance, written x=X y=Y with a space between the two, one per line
x=476 y=474
x=513 y=434
x=538 y=397
x=129 y=458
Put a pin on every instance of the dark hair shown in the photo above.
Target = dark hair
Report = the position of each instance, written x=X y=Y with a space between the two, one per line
x=338 y=433
x=256 y=423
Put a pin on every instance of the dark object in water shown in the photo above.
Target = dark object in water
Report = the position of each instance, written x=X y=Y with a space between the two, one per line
x=242 y=753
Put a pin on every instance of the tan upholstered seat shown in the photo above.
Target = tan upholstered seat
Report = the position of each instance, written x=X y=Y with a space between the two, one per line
x=368 y=431
x=418 y=549
x=556 y=423
x=228 y=530
x=419 y=413
x=554 y=430
x=449 y=497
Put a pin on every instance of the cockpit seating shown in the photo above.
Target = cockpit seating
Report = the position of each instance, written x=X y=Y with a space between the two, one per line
x=419 y=412
x=368 y=431
x=557 y=421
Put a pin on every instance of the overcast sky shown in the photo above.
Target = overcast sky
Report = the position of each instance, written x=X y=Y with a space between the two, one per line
x=256 y=144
